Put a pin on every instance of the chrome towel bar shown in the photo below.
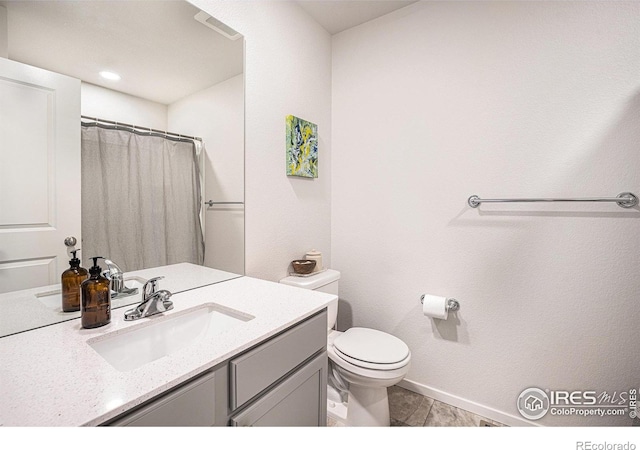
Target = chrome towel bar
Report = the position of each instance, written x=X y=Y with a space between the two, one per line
x=210 y=203
x=624 y=200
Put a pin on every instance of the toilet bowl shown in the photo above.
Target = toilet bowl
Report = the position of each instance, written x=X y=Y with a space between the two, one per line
x=370 y=361
x=363 y=362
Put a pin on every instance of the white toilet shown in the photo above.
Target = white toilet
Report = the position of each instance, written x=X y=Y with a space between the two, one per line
x=362 y=362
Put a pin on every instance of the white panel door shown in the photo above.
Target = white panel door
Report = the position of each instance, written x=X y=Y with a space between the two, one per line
x=39 y=174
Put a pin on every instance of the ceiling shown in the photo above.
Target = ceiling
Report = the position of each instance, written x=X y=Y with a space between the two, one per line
x=338 y=15
x=161 y=52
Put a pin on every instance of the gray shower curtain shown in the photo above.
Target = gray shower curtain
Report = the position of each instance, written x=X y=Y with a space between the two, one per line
x=140 y=199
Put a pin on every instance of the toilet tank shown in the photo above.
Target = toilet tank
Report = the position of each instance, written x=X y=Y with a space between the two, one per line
x=326 y=281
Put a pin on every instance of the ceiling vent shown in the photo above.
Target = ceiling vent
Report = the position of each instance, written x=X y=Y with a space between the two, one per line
x=216 y=25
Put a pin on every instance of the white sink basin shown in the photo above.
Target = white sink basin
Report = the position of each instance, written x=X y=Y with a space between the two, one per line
x=160 y=336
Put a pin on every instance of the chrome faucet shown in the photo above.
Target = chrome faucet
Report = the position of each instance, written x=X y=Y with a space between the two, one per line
x=114 y=273
x=153 y=301
x=116 y=277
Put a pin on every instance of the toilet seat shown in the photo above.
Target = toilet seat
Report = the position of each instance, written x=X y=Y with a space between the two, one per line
x=369 y=365
x=371 y=349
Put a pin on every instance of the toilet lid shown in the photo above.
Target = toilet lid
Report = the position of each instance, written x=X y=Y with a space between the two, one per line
x=373 y=346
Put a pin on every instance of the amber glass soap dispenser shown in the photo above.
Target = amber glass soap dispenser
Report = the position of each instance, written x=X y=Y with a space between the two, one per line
x=72 y=278
x=96 y=298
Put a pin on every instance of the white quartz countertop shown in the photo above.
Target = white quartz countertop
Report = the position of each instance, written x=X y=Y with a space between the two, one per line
x=51 y=376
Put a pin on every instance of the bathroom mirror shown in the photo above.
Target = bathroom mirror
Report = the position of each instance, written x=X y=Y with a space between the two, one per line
x=181 y=71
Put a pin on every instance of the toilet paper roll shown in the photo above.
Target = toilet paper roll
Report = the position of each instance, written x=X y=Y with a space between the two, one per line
x=435 y=306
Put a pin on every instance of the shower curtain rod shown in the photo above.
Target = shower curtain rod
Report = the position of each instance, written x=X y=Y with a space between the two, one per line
x=140 y=129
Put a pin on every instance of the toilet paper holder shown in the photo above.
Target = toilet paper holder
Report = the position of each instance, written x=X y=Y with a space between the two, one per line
x=452 y=303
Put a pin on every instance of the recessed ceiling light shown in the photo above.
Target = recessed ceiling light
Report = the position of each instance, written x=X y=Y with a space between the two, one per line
x=110 y=75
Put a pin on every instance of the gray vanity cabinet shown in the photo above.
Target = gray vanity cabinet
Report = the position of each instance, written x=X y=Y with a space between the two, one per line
x=279 y=382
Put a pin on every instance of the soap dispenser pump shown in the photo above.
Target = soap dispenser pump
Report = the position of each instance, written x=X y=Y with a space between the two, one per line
x=71 y=280
x=96 y=298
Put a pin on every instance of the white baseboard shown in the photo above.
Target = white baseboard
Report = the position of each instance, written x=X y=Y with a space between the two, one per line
x=467 y=405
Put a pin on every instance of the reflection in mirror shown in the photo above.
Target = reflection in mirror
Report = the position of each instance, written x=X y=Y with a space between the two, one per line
x=161 y=134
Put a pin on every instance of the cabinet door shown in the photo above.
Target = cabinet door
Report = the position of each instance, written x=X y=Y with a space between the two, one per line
x=300 y=400
x=190 y=405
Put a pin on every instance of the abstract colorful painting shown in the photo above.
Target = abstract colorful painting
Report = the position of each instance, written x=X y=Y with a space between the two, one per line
x=302 y=148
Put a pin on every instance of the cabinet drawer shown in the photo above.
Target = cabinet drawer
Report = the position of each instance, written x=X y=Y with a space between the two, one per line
x=262 y=366
x=190 y=405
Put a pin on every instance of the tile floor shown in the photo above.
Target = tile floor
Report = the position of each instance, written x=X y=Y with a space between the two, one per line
x=408 y=409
